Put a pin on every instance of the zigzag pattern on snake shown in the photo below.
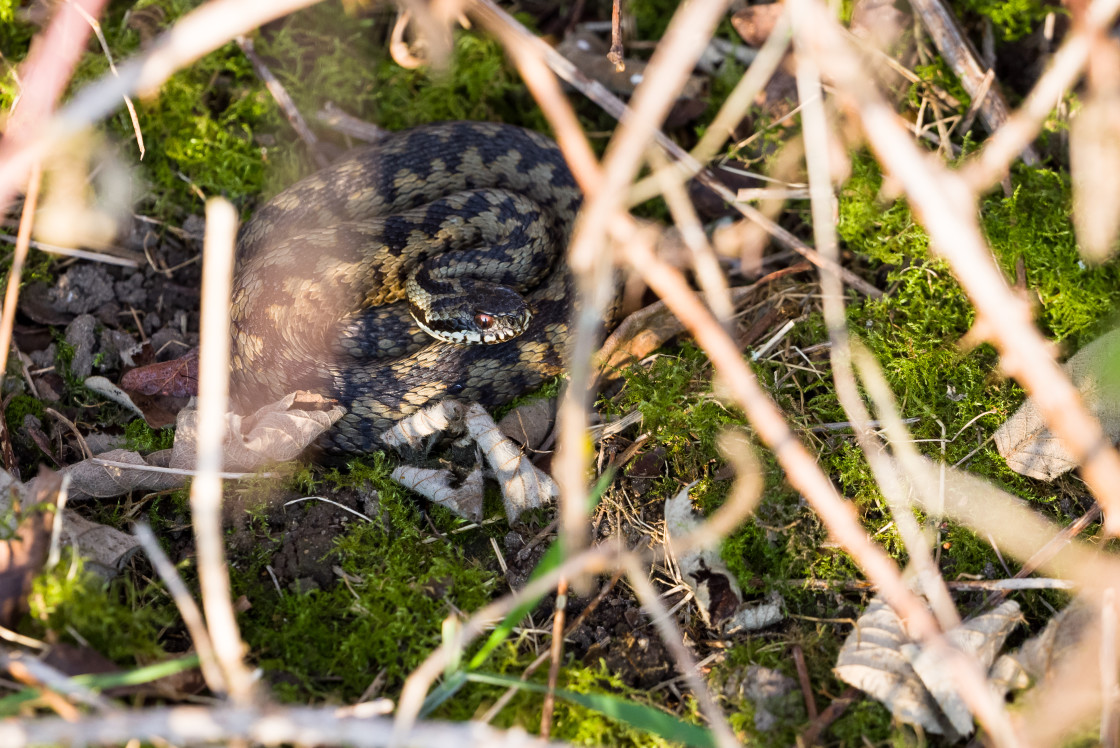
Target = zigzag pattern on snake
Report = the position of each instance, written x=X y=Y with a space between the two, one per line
x=319 y=293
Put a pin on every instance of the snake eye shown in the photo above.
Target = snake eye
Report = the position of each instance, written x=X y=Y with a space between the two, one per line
x=484 y=321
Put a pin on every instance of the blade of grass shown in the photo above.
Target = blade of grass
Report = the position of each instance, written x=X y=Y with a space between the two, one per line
x=9 y=705
x=551 y=559
x=653 y=721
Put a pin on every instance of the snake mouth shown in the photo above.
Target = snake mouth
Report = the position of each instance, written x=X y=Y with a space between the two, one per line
x=480 y=328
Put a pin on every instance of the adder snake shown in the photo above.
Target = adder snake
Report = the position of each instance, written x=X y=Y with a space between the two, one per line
x=319 y=298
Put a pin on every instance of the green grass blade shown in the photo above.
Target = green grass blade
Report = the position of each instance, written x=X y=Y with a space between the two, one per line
x=551 y=559
x=653 y=721
x=100 y=681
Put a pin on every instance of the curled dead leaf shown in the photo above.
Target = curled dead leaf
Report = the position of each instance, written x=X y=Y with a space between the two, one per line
x=881 y=659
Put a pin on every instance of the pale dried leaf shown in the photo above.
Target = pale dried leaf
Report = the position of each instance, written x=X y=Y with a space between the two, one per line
x=463 y=498
x=103 y=386
x=1028 y=445
x=1094 y=156
x=718 y=596
x=880 y=658
x=278 y=432
x=1040 y=655
x=755 y=616
x=106 y=549
x=89 y=480
x=981 y=637
x=412 y=432
x=872 y=661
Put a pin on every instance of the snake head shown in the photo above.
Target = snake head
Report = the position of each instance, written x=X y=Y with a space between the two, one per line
x=486 y=313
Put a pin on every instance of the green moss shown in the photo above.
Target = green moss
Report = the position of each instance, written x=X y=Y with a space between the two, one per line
x=121 y=619
x=1011 y=19
x=331 y=643
x=1034 y=224
x=677 y=407
x=20 y=407
x=205 y=120
x=142 y=438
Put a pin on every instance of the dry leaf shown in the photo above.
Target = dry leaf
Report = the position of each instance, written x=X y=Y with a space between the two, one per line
x=103 y=386
x=718 y=596
x=278 y=432
x=178 y=378
x=881 y=659
x=1038 y=657
x=106 y=549
x=1027 y=444
x=717 y=593
x=523 y=485
x=981 y=637
x=91 y=480
x=529 y=424
x=22 y=556
x=463 y=497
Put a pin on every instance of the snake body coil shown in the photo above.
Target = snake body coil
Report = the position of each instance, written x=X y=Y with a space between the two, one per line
x=319 y=298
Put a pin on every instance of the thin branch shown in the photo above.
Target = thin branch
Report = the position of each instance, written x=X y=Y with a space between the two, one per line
x=19 y=257
x=815 y=137
x=283 y=100
x=505 y=27
x=590 y=254
x=189 y=611
x=674 y=642
x=289 y=725
x=957 y=51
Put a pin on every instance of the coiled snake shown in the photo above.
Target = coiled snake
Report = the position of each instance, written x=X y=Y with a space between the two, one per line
x=451 y=209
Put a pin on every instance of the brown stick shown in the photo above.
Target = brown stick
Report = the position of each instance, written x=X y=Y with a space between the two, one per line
x=990 y=165
x=958 y=53
x=832 y=713
x=283 y=100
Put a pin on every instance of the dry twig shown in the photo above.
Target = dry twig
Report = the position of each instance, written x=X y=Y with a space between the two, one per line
x=206 y=488
x=945 y=205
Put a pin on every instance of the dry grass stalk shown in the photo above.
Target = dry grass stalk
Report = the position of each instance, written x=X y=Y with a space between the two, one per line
x=15 y=275
x=590 y=255
x=96 y=26
x=637 y=575
x=206 y=488
x=269 y=725
x=815 y=136
x=190 y=612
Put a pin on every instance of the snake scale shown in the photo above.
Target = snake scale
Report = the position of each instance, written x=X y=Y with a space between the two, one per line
x=319 y=299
